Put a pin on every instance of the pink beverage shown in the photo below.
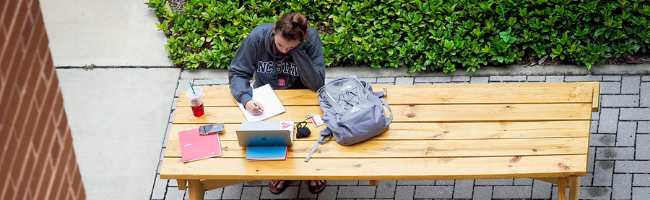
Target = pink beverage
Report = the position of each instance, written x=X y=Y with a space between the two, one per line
x=196 y=100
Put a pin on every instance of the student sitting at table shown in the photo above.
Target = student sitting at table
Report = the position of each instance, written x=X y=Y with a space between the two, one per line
x=287 y=54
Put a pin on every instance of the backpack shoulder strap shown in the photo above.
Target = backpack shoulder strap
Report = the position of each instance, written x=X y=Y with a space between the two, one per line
x=320 y=141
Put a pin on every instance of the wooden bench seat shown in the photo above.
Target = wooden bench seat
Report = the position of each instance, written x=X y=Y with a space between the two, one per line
x=460 y=131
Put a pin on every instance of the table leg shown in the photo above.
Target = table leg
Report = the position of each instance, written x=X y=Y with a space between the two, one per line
x=373 y=182
x=574 y=190
x=562 y=186
x=196 y=190
x=182 y=184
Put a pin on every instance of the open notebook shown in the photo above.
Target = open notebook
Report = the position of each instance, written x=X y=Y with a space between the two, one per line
x=272 y=105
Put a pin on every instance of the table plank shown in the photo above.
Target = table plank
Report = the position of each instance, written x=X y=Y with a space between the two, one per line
x=377 y=169
x=432 y=94
x=441 y=131
x=415 y=113
x=418 y=148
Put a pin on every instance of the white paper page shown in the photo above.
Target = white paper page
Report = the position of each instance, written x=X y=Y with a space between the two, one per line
x=269 y=100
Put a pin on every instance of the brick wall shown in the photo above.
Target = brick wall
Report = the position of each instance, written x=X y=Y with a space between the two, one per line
x=37 y=160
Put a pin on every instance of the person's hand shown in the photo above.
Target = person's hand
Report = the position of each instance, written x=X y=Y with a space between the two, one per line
x=254 y=107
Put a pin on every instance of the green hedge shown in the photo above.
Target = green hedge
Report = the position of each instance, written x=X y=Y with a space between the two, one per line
x=420 y=35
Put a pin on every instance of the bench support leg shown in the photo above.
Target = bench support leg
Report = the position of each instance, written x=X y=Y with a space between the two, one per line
x=373 y=182
x=196 y=190
x=563 y=184
x=575 y=187
x=182 y=184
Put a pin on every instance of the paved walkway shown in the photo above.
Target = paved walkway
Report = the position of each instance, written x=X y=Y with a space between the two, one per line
x=619 y=166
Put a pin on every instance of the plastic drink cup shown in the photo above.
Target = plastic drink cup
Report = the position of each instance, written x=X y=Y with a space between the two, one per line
x=196 y=100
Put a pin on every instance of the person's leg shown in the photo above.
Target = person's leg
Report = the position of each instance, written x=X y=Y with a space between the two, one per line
x=317 y=186
x=276 y=186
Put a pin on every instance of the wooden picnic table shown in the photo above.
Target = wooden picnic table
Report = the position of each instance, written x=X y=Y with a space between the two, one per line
x=456 y=131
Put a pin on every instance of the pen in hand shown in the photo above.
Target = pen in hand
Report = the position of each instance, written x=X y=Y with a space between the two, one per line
x=258 y=107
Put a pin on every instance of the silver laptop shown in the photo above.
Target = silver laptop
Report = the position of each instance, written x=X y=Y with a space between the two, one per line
x=265 y=133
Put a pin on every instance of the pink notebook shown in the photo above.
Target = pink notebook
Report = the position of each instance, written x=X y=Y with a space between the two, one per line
x=195 y=146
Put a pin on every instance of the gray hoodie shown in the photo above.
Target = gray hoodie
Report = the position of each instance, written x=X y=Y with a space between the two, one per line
x=304 y=67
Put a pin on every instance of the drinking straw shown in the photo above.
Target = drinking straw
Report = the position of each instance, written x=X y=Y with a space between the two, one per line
x=191 y=86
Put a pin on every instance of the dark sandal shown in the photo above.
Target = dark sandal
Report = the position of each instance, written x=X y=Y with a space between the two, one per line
x=276 y=190
x=318 y=188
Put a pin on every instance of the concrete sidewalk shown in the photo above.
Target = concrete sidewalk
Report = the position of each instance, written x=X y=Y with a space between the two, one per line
x=118 y=119
x=104 y=33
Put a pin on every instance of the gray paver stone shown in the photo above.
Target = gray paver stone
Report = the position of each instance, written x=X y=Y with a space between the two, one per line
x=416 y=182
x=615 y=153
x=587 y=180
x=460 y=78
x=646 y=78
x=644 y=127
x=523 y=181
x=541 y=189
x=502 y=192
x=213 y=194
x=626 y=134
x=602 y=140
x=611 y=78
x=433 y=79
x=582 y=78
x=251 y=193
x=507 y=78
x=591 y=159
x=404 y=192
x=595 y=192
x=304 y=192
x=221 y=81
x=183 y=85
x=619 y=101
x=536 y=78
x=493 y=181
x=386 y=80
x=233 y=191
x=479 y=80
x=404 y=81
x=169 y=129
x=635 y=114
x=645 y=95
x=603 y=171
x=595 y=115
x=554 y=79
x=594 y=127
x=640 y=192
x=159 y=188
x=643 y=147
x=386 y=189
x=630 y=85
x=338 y=182
x=171 y=117
x=445 y=182
x=482 y=192
x=353 y=192
x=608 y=120
x=632 y=167
x=434 y=192
x=641 y=180
x=257 y=183
x=463 y=188
x=291 y=192
x=369 y=80
x=610 y=88
x=622 y=188
x=173 y=193
x=329 y=193
x=422 y=84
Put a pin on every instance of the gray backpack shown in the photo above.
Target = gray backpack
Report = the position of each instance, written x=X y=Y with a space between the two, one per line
x=352 y=112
